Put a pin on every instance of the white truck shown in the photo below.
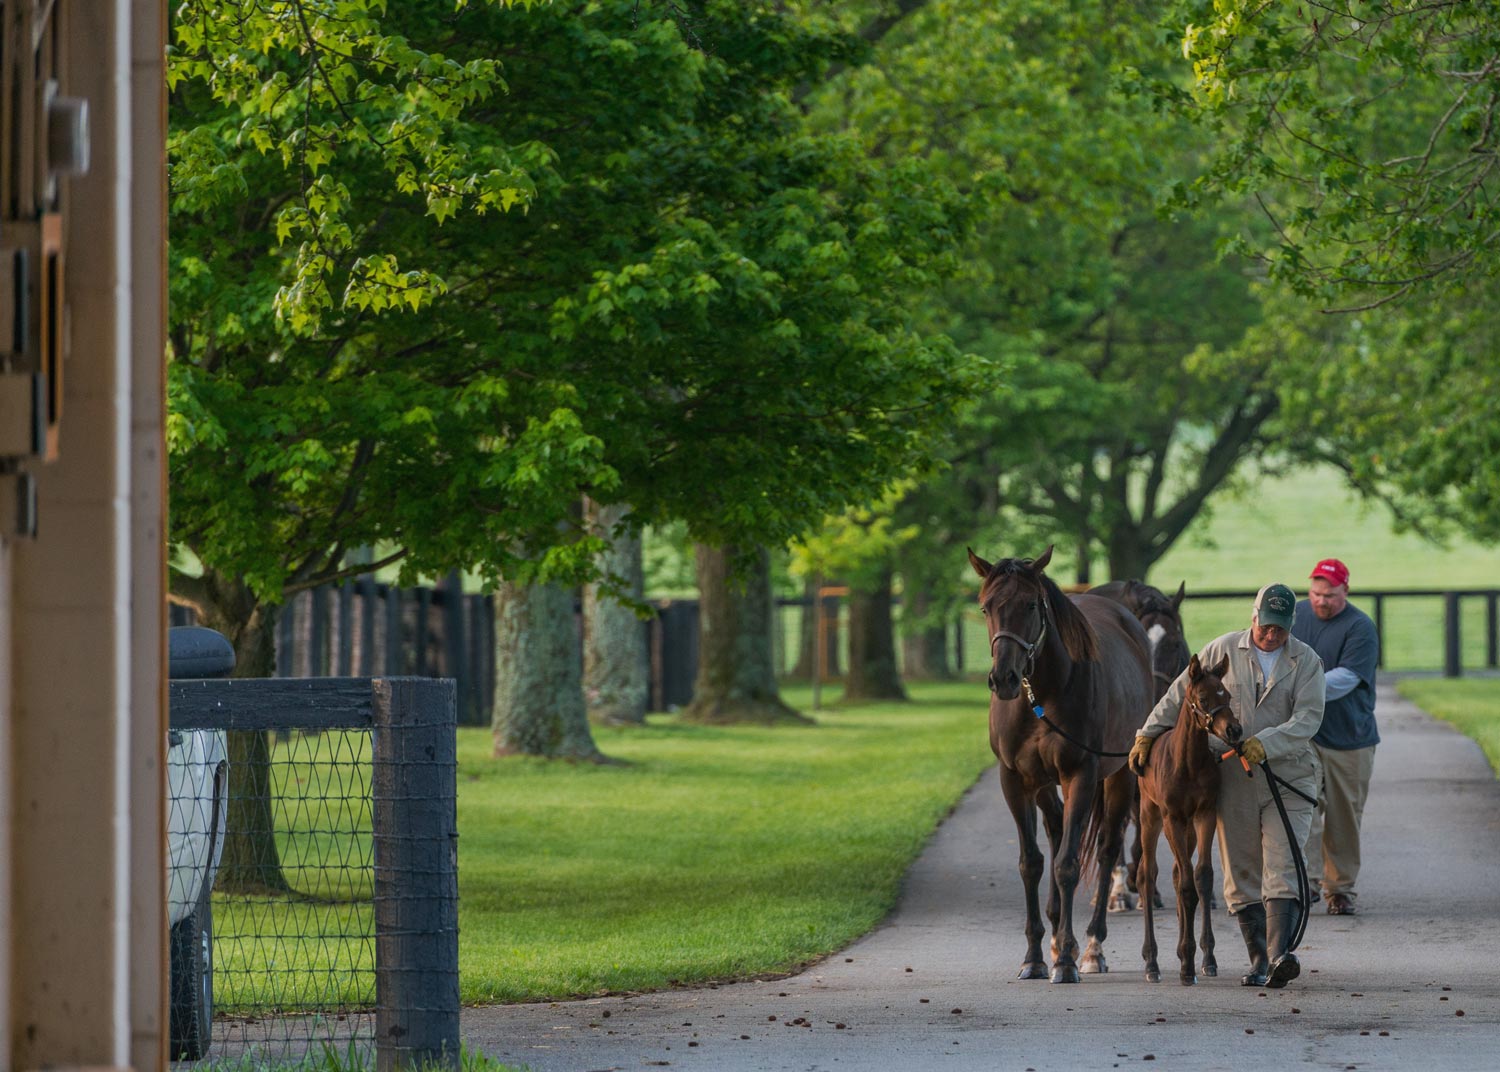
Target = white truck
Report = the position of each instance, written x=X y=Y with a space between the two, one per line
x=197 y=805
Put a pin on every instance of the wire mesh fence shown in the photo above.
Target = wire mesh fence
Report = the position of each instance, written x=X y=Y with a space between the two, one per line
x=333 y=916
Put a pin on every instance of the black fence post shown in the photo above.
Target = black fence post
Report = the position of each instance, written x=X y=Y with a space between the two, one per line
x=414 y=782
x=344 y=664
x=1380 y=632
x=1491 y=648
x=1453 y=665
x=366 y=587
x=455 y=648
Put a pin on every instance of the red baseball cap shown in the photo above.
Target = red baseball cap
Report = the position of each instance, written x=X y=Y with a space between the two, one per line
x=1331 y=570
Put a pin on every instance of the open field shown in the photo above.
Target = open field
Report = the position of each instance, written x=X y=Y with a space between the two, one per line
x=1277 y=532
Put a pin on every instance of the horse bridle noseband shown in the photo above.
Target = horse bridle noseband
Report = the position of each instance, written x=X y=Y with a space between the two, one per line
x=1205 y=718
x=1030 y=647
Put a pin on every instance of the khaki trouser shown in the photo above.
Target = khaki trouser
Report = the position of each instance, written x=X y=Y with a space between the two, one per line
x=1254 y=853
x=1333 y=841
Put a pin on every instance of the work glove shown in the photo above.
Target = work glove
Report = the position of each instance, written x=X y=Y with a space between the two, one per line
x=1140 y=753
x=1253 y=751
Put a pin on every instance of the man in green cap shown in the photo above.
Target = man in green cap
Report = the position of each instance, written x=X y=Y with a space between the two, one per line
x=1275 y=684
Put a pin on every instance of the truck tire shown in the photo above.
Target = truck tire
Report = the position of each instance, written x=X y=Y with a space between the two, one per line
x=191 y=944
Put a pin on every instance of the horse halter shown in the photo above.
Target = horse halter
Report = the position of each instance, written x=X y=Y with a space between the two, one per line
x=1030 y=647
x=1205 y=718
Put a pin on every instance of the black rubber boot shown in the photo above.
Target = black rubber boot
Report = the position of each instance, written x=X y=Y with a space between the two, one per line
x=1282 y=917
x=1252 y=920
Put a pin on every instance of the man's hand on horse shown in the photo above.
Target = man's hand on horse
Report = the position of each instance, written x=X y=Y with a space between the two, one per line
x=1253 y=751
x=1140 y=754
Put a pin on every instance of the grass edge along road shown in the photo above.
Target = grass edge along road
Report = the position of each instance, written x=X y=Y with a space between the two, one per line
x=1470 y=705
x=711 y=853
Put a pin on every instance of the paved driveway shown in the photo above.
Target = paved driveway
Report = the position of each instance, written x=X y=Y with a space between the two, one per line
x=1412 y=982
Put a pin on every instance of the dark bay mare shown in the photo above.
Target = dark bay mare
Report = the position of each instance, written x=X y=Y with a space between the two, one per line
x=1180 y=790
x=1161 y=616
x=1070 y=683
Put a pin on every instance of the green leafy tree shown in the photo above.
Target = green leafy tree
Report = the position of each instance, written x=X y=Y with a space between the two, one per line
x=861 y=546
x=702 y=309
x=1365 y=134
x=1365 y=131
x=1116 y=409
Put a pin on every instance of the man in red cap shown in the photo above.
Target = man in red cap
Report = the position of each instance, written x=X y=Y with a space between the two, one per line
x=1345 y=639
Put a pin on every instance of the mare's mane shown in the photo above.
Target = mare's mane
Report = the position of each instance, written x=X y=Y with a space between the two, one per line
x=1072 y=627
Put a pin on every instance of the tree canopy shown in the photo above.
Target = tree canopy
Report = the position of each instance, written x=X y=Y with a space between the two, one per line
x=1365 y=130
x=1114 y=410
x=437 y=271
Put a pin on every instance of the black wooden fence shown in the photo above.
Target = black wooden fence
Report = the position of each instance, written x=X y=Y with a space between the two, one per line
x=367 y=628
x=1421 y=630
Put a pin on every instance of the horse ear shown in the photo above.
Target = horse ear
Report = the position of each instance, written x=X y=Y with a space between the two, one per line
x=1195 y=669
x=1181 y=594
x=981 y=567
x=1042 y=560
x=1223 y=667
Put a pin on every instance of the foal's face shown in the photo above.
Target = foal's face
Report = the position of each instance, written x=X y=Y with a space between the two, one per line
x=1208 y=701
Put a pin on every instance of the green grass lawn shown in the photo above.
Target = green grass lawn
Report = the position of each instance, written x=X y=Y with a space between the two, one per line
x=1470 y=704
x=711 y=853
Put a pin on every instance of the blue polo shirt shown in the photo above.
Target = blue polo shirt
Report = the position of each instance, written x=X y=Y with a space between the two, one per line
x=1347 y=640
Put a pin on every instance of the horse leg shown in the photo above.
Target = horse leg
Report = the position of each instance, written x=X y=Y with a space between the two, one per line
x=1122 y=883
x=1137 y=850
x=1179 y=835
x=1145 y=879
x=1024 y=814
x=1052 y=817
x=1078 y=801
x=1204 y=876
x=1118 y=790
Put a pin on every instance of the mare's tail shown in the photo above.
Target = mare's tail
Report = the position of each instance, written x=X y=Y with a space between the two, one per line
x=1093 y=830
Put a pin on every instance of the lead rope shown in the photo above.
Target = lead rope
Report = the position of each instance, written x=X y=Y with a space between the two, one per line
x=1039 y=712
x=1304 y=892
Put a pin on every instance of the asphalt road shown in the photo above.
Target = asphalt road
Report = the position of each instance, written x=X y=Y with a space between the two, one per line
x=1411 y=982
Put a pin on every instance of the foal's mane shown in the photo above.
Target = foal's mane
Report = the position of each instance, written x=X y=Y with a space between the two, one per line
x=1072 y=627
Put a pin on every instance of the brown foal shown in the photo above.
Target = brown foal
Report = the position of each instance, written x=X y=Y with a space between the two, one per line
x=1180 y=790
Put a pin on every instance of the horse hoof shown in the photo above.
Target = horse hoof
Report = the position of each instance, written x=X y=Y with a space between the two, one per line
x=1153 y=977
x=1093 y=965
x=1189 y=980
x=1065 y=973
x=1211 y=970
x=1035 y=970
x=1122 y=903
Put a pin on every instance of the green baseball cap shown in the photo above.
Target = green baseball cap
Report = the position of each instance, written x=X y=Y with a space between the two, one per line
x=1275 y=604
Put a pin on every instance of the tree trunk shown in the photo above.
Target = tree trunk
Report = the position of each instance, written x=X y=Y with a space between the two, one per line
x=924 y=639
x=251 y=862
x=807 y=647
x=539 y=709
x=616 y=667
x=736 y=670
x=872 y=674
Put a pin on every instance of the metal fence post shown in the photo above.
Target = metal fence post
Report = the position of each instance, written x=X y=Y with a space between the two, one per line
x=1453 y=665
x=414 y=782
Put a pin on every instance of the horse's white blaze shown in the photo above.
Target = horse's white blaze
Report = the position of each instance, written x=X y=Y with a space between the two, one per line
x=1155 y=633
